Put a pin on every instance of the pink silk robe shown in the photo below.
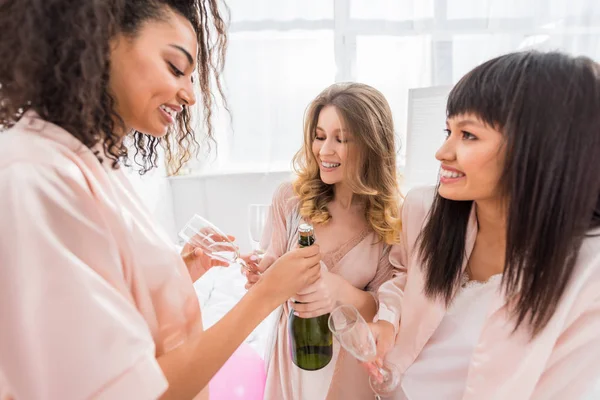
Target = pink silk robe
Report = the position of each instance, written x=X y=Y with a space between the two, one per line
x=562 y=362
x=362 y=261
x=91 y=291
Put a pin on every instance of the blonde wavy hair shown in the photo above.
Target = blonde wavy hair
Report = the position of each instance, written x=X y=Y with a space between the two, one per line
x=366 y=114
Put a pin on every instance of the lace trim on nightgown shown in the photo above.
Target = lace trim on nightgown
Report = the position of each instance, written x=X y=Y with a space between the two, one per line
x=333 y=257
x=467 y=283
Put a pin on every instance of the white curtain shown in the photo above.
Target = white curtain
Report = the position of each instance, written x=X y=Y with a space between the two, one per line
x=283 y=53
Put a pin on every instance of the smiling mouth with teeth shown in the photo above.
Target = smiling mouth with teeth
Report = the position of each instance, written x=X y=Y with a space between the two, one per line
x=172 y=113
x=451 y=174
x=330 y=165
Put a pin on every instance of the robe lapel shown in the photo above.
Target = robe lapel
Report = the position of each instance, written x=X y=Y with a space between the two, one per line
x=421 y=316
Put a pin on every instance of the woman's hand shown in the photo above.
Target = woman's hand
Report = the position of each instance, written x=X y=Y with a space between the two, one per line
x=385 y=338
x=290 y=273
x=197 y=262
x=319 y=298
x=256 y=268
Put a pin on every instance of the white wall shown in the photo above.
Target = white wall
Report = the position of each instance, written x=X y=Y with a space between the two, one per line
x=154 y=189
x=223 y=199
x=425 y=134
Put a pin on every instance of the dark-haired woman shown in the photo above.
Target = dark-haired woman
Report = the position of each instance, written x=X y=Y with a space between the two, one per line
x=94 y=300
x=500 y=296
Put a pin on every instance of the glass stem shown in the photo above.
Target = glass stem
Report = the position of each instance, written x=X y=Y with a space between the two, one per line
x=244 y=265
x=385 y=374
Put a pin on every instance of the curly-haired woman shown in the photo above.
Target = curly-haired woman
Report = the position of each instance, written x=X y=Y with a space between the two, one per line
x=346 y=186
x=94 y=301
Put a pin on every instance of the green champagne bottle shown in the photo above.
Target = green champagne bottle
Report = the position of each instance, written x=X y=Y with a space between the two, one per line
x=311 y=341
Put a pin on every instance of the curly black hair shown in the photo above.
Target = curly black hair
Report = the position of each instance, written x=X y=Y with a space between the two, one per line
x=55 y=60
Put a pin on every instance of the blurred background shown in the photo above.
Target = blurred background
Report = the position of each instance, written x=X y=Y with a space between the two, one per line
x=282 y=53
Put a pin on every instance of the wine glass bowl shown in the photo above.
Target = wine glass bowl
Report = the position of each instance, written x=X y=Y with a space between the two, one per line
x=200 y=233
x=258 y=215
x=354 y=335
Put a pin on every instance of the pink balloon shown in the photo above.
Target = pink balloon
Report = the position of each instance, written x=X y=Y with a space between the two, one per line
x=242 y=377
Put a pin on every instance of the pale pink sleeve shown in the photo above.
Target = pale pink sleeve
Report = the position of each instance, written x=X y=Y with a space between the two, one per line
x=282 y=208
x=573 y=369
x=385 y=271
x=391 y=293
x=69 y=326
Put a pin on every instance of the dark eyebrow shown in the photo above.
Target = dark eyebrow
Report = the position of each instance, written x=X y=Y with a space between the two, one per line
x=469 y=122
x=184 y=51
x=464 y=122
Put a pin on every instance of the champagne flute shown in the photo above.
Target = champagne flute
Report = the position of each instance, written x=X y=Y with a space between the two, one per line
x=200 y=233
x=258 y=215
x=354 y=334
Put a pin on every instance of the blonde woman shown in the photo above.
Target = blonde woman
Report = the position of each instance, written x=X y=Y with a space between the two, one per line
x=346 y=187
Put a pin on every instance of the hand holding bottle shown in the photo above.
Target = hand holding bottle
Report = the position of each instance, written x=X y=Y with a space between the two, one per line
x=320 y=297
x=311 y=342
x=293 y=271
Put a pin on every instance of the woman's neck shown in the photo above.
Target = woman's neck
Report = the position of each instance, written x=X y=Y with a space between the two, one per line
x=487 y=258
x=491 y=219
x=343 y=195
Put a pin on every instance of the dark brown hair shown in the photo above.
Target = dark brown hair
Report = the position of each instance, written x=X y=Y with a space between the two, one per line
x=56 y=61
x=547 y=107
